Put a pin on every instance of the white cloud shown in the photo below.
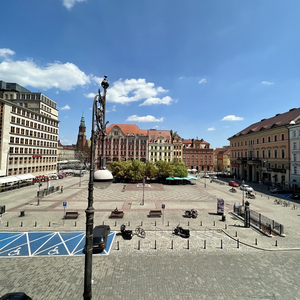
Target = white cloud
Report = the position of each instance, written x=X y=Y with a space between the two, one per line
x=135 y=118
x=90 y=95
x=151 y=101
x=112 y=109
x=66 y=107
x=267 y=83
x=211 y=129
x=202 y=81
x=63 y=76
x=4 y=52
x=134 y=90
x=232 y=118
x=70 y=3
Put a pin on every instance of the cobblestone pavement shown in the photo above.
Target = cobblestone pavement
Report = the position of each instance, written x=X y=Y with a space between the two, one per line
x=221 y=260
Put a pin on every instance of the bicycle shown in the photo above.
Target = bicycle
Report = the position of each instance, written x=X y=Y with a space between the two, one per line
x=140 y=232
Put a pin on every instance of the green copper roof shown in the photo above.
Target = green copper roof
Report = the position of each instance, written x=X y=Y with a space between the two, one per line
x=82 y=122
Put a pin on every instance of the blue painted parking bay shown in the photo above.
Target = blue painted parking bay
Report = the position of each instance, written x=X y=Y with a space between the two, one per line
x=25 y=244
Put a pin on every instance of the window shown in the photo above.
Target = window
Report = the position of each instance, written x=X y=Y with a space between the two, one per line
x=263 y=140
x=282 y=153
x=295 y=170
x=295 y=157
x=282 y=136
x=275 y=138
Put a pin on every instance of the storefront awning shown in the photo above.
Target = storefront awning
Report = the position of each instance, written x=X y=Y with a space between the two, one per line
x=25 y=176
x=15 y=178
x=8 y=179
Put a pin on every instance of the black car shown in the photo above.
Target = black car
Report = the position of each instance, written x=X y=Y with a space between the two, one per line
x=15 y=296
x=100 y=237
x=295 y=196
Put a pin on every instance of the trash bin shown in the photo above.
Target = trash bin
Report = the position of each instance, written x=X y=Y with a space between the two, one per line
x=223 y=218
x=236 y=207
x=2 y=209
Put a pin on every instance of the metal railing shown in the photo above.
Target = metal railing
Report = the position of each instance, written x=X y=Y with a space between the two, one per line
x=261 y=221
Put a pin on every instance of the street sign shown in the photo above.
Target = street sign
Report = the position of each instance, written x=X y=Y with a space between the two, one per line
x=64 y=204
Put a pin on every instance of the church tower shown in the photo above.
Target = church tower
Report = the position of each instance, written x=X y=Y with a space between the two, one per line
x=81 y=139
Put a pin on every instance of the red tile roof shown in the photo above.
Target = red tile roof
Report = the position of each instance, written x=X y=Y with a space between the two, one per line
x=276 y=121
x=128 y=129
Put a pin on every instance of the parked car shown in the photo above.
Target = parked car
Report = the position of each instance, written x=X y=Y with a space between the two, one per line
x=233 y=183
x=246 y=187
x=15 y=296
x=100 y=237
x=295 y=196
x=205 y=176
x=278 y=191
x=214 y=177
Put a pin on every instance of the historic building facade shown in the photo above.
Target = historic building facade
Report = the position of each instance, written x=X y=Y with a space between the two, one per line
x=198 y=154
x=222 y=159
x=125 y=142
x=28 y=131
x=177 y=148
x=261 y=152
x=160 y=146
x=295 y=155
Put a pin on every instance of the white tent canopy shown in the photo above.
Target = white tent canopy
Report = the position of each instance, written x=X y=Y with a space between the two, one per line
x=20 y=177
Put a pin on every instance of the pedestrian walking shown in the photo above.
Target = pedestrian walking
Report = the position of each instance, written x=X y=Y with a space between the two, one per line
x=61 y=189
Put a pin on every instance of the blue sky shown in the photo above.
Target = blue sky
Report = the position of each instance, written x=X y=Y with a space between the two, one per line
x=205 y=69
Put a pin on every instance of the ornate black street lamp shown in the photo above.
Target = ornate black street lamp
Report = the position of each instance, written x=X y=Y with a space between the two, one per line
x=101 y=178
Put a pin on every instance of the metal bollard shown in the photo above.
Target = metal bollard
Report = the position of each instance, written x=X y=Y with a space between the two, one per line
x=128 y=223
x=139 y=245
x=103 y=223
x=200 y=223
x=236 y=234
x=225 y=226
x=118 y=246
x=214 y=223
x=35 y=224
x=155 y=223
x=155 y=245
x=276 y=243
x=255 y=241
x=141 y=223
x=188 y=244
x=204 y=247
x=115 y=223
x=7 y=224
x=168 y=223
x=75 y=224
x=188 y=223
x=238 y=243
x=221 y=244
x=172 y=245
x=21 y=224
x=49 y=224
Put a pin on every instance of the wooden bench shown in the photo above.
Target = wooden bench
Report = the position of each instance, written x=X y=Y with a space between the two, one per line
x=116 y=214
x=155 y=213
x=71 y=215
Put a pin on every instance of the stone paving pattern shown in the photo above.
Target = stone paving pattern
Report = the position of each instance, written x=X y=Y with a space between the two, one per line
x=211 y=264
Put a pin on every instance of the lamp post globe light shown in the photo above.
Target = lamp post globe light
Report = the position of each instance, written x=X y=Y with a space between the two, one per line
x=101 y=178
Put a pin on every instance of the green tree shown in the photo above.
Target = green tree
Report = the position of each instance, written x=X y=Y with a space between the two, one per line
x=165 y=169
x=180 y=169
x=151 y=169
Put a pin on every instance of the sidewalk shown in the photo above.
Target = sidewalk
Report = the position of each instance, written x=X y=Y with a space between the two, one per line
x=49 y=214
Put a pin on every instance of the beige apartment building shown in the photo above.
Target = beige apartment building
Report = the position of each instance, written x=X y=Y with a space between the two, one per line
x=28 y=131
x=261 y=152
x=160 y=146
